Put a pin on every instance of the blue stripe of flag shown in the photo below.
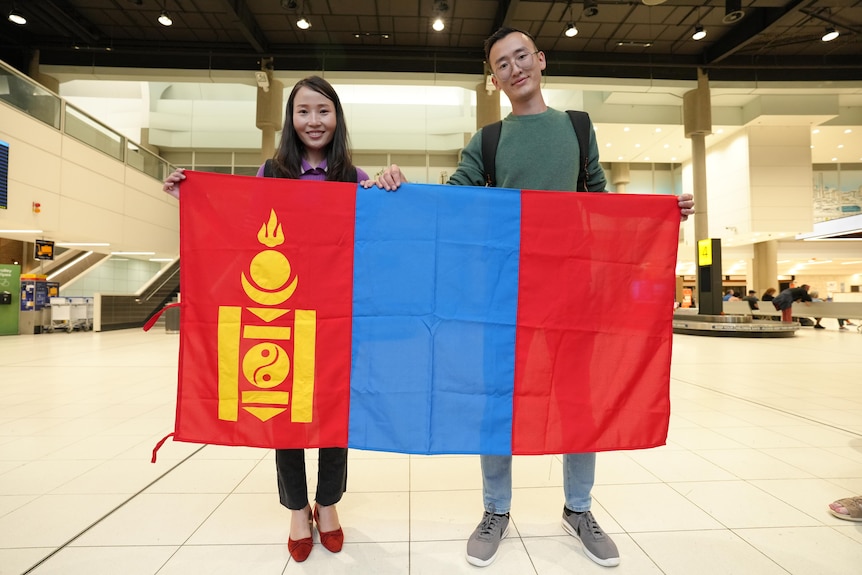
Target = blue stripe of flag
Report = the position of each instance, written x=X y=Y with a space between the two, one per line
x=435 y=291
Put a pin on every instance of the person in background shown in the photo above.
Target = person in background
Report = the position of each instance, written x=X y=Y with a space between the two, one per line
x=314 y=146
x=815 y=297
x=849 y=508
x=783 y=302
x=752 y=300
x=768 y=295
x=727 y=296
x=537 y=150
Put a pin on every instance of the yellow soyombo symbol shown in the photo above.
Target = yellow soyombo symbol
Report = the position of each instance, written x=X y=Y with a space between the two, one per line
x=269 y=269
x=255 y=381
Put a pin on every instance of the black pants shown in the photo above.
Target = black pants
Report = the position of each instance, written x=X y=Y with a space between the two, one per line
x=331 y=477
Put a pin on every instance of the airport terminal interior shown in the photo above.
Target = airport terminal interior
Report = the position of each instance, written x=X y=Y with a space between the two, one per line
x=101 y=99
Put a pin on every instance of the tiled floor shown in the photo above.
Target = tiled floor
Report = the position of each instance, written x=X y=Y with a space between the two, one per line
x=764 y=433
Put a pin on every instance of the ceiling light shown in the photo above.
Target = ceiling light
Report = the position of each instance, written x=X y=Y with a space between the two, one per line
x=831 y=34
x=17 y=17
x=732 y=11
x=438 y=24
x=699 y=33
x=303 y=23
x=133 y=253
x=571 y=30
x=591 y=8
x=165 y=18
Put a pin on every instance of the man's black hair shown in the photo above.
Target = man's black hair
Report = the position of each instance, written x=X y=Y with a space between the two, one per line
x=502 y=33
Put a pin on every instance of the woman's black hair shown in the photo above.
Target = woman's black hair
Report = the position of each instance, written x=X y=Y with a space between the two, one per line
x=287 y=162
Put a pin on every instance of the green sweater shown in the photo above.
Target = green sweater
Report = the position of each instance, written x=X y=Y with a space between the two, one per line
x=535 y=152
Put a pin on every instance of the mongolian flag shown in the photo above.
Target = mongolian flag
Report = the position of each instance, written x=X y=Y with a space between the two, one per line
x=435 y=319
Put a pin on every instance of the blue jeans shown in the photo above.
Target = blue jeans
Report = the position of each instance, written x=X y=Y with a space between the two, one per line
x=579 y=474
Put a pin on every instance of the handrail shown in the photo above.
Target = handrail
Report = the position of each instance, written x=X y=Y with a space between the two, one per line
x=154 y=290
x=40 y=103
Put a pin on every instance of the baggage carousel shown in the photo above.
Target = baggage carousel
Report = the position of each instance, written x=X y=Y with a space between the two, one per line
x=689 y=322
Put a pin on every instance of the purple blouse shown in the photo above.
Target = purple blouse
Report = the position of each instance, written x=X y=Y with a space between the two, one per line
x=318 y=173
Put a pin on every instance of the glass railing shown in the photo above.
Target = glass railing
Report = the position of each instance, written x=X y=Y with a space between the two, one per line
x=23 y=93
x=89 y=131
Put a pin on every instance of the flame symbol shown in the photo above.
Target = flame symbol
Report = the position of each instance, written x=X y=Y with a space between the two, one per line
x=270 y=233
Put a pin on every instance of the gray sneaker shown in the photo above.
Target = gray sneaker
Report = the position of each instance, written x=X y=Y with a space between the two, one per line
x=597 y=544
x=485 y=540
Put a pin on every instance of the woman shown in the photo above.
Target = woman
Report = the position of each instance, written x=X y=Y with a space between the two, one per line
x=314 y=146
x=768 y=295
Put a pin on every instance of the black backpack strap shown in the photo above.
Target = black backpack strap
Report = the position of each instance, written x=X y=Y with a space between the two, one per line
x=581 y=123
x=267 y=169
x=490 y=139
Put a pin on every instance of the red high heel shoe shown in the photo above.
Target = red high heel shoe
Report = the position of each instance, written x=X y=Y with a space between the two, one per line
x=332 y=540
x=301 y=549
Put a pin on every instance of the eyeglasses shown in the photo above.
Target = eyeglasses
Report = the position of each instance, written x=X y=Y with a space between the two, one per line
x=524 y=61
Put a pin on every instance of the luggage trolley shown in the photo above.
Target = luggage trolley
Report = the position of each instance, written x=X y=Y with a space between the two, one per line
x=61 y=314
x=80 y=313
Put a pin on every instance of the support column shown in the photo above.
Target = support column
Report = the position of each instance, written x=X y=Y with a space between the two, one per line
x=487 y=102
x=34 y=72
x=765 y=266
x=620 y=176
x=697 y=120
x=269 y=115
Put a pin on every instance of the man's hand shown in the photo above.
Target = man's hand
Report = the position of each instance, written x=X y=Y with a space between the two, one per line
x=686 y=206
x=389 y=180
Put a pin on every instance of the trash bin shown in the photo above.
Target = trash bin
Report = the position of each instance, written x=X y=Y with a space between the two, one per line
x=172 y=320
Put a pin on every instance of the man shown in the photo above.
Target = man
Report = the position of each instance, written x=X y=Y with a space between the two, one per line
x=783 y=302
x=537 y=149
x=752 y=300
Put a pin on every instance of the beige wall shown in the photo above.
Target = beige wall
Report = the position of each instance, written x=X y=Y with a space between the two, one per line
x=85 y=195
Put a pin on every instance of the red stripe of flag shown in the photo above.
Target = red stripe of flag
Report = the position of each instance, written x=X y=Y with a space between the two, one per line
x=595 y=301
